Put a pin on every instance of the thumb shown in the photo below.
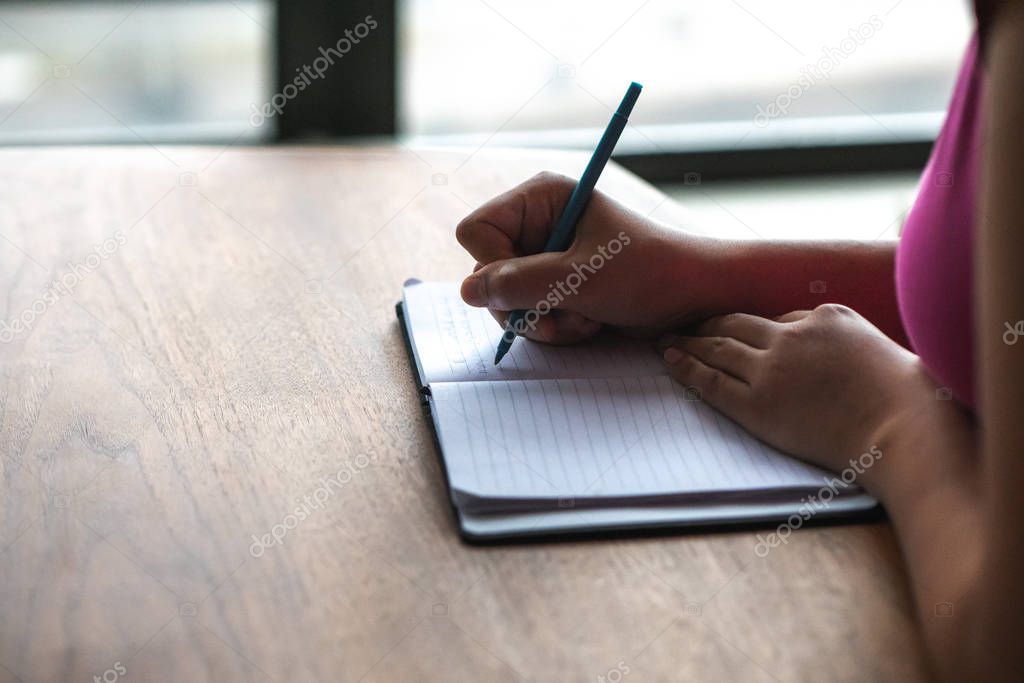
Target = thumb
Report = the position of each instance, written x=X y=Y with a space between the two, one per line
x=517 y=283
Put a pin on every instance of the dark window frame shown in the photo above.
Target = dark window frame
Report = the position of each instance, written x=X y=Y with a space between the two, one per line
x=357 y=96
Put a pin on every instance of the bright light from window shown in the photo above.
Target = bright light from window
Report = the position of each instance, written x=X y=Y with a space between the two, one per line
x=515 y=65
x=127 y=72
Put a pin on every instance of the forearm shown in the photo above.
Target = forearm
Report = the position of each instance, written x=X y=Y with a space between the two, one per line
x=954 y=490
x=929 y=481
x=775 y=277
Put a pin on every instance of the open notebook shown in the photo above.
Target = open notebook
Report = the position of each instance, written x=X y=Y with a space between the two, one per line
x=588 y=438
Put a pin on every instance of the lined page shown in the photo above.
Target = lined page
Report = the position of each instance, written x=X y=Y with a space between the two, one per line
x=625 y=437
x=454 y=342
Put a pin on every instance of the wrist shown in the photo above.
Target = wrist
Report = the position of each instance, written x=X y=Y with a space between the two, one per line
x=926 y=442
x=697 y=276
x=731 y=275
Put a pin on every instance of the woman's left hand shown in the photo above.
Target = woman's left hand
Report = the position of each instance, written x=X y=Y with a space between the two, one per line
x=821 y=384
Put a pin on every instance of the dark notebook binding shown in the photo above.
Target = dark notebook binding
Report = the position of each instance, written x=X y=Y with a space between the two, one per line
x=423 y=389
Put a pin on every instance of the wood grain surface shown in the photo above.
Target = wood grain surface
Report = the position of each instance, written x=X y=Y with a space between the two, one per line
x=197 y=341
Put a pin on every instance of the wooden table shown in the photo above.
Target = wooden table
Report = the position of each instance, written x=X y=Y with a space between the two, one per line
x=220 y=337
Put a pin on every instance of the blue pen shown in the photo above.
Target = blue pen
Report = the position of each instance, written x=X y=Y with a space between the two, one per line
x=561 y=236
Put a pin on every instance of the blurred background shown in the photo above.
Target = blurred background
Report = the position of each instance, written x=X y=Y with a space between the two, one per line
x=792 y=96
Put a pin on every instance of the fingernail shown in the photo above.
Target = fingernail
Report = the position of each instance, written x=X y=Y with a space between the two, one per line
x=667 y=341
x=672 y=355
x=473 y=291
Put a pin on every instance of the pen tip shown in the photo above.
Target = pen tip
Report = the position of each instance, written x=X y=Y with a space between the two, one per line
x=505 y=343
x=503 y=347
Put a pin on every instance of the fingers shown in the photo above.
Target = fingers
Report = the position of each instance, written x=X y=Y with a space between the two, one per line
x=556 y=327
x=518 y=283
x=542 y=329
x=718 y=389
x=729 y=355
x=572 y=327
x=529 y=283
x=752 y=330
x=517 y=222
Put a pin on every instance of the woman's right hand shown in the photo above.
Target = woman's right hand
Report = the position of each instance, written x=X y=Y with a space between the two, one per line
x=622 y=270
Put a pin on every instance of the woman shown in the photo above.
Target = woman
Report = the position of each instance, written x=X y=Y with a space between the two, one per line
x=918 y=356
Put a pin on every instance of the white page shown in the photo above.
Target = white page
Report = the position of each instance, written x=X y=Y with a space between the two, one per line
x=454 y=342
x=580 y=439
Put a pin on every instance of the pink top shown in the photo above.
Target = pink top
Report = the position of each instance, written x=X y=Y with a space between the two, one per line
x=934 y=283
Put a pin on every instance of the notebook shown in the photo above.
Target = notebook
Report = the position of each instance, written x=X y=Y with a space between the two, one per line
x=589 y=438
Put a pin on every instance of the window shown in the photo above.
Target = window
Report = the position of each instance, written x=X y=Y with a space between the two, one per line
x=721 y=78
x=131 y=72
x=716 y=74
